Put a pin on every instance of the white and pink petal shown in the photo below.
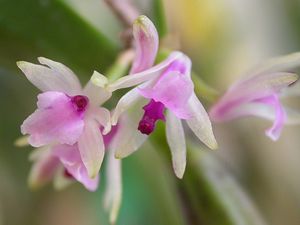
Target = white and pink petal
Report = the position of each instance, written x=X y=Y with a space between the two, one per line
x=146 y=44
x=47 y=79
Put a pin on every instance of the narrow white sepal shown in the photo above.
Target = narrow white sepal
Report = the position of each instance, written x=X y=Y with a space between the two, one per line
x=176 y=141
x=113 y=189
x=200 y=123
x=91 y=147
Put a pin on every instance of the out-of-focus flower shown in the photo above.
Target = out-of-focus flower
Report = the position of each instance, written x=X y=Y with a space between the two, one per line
x=67 y=114
x=167 y=85
x=259 y=93
x=61 y=163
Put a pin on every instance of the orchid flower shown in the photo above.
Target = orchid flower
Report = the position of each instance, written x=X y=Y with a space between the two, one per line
x=63 y=164
x=259 y=93
x=164 y=87
x=66 y=114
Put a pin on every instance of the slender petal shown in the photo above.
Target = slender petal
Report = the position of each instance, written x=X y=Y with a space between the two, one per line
x=91 y=147
x=43 y=169
x=146 y=44
x=113 y=189
x=176 y=141
x=56 y=119
x=128 y=100
x=71 y=160
x=47 y=79
x=137 y=78
x=66 y=74
x=286 y=63
x=200 y=123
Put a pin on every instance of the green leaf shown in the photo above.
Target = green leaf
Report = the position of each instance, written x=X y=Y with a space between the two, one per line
x=33 y=28
x=216 y=198
x=208 y=191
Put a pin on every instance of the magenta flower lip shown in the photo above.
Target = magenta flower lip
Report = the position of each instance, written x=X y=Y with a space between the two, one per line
x=153 y=111
x=80 y=102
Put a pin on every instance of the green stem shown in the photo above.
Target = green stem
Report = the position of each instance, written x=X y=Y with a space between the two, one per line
x=203 y=90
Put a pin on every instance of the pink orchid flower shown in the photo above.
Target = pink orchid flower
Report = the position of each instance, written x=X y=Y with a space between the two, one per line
x=259 y=93
x=66 y=114
x=63 y=164
x=164 y=87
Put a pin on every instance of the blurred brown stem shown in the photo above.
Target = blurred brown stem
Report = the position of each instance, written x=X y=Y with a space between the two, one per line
x=124 y=10
x=126 y=13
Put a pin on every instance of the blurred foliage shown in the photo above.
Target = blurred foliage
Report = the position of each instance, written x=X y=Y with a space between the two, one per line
x=159 y=17
x=32 y=28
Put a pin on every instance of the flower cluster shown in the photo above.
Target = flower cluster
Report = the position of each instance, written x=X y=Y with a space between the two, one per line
x=72 y=132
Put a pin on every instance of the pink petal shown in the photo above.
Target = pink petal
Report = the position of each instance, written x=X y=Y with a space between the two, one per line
x=69 y=156
x=280 y=116
x=146 y=44
x=174 y=88
x=56 y=119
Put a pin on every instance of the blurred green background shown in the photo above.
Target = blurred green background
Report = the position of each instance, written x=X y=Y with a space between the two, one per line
x=249 y=180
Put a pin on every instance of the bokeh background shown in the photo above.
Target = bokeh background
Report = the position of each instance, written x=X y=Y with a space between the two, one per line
x=249 y=180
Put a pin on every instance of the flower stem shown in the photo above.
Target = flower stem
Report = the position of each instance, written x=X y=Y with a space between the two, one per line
x=121 y=66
